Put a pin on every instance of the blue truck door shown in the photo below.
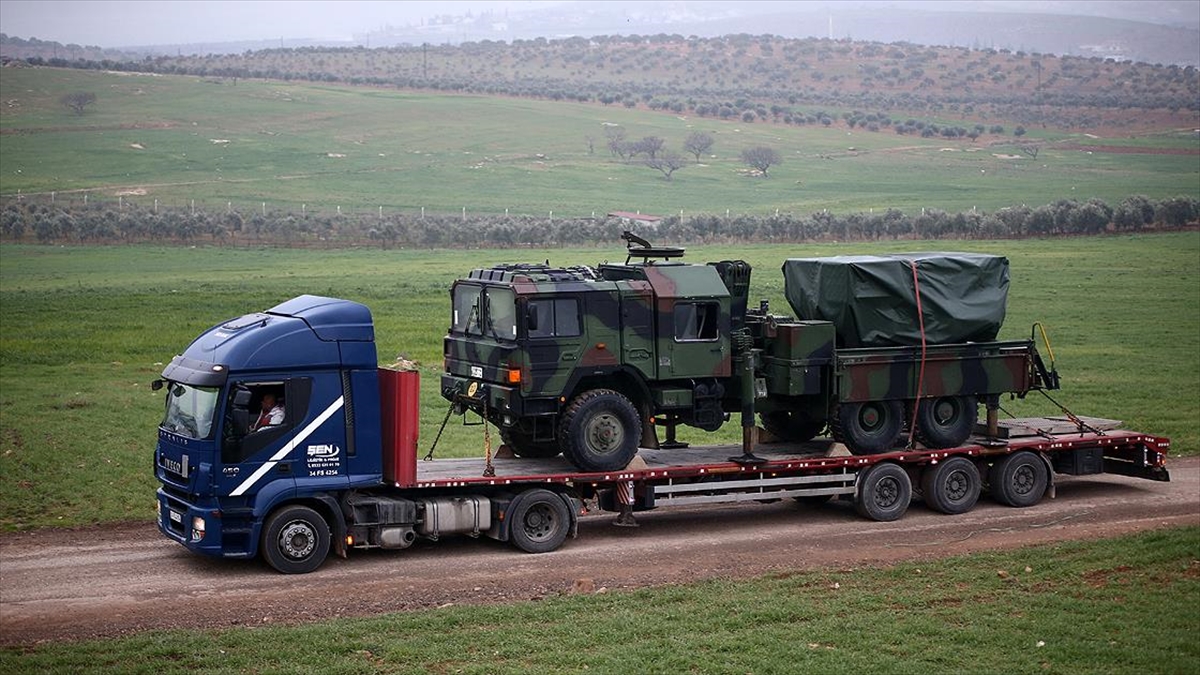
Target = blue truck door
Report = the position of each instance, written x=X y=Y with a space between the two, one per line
x=269 y=450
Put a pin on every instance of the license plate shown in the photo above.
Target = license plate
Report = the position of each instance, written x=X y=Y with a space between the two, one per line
x=176 y=516
x=477 y=371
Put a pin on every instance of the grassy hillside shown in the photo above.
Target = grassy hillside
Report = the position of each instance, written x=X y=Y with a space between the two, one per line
x=235 y=145
x=87 y=328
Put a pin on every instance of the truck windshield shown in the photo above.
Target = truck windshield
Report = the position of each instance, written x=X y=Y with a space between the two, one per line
x=485 y=311
x=190 y=410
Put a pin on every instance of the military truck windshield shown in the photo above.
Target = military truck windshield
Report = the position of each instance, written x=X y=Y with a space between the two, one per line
x=467 y=310
x=485 y=311
x=190 y=410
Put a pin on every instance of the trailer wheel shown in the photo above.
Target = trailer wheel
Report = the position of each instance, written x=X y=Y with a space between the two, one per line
x=946 y=421
x=295 y=540
x=884 y=492
x=539 y=522
x=868 y=428
x=1019 y=480
x=600 y=431
x=523 y=445
x=951 y=486
x=792 y=426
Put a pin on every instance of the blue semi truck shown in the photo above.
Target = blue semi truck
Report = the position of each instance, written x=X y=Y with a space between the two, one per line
x=337 y=470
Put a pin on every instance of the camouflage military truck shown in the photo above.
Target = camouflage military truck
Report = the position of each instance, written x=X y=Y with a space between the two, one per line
x=586 y=361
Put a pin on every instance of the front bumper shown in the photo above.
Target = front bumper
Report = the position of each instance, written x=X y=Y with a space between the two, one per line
x=224 y=535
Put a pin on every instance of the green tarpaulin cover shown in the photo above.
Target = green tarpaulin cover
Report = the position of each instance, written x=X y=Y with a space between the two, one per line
x=872 y=303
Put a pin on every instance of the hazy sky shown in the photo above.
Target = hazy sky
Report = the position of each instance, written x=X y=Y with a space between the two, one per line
x=117 y=23
x=128 y=23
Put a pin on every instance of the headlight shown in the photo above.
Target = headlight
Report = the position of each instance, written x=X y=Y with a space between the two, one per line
x=197 y=528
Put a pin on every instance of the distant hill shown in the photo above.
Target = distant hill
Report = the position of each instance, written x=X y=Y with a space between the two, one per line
x=752 y=78
x=1151 y=31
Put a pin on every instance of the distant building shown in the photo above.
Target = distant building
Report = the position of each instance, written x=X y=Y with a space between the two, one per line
x=638 y=217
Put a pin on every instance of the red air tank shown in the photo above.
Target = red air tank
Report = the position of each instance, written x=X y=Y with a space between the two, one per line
x=399 y=395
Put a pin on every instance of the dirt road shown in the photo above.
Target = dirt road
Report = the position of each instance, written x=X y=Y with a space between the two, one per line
x=57 y=585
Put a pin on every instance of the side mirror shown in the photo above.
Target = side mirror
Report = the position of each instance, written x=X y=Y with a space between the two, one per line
x=531 y=318
x=156 y=385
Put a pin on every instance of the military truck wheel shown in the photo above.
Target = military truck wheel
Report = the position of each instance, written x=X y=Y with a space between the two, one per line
x=539 y=520
x=295 y=540
x=884 y=492
x=792 y=426
x=1019 y=479
x=947 y=421
x=523 y=445
x=951 y=486
x=600 y=431
x=868 y=428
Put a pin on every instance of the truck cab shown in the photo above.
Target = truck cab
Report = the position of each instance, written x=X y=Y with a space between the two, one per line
x=223 y=465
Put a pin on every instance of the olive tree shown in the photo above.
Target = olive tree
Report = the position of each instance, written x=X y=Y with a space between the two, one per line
x=761 y=157
x=78 y=100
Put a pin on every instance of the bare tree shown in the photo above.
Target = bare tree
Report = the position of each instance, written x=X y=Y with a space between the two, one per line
x=698 y=143
x=761 y=157
x=616 y=140
x=667 y=162
x=651 y=145
x=78 y=100
x=1031 y=150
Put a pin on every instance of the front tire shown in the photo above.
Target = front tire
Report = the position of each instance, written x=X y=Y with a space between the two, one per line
x=870 y=427
x=600 y=431
x=295 y=540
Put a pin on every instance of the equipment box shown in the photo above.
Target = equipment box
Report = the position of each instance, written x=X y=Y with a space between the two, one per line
x=1081 y=462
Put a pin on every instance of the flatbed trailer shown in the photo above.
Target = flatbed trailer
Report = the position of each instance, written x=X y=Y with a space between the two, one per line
x=822 y=469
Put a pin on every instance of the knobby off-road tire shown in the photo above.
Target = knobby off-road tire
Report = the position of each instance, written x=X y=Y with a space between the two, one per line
x=600 y=431
x=791 y=426
x=523 y=445
x=951 y=486
x=539 y=521
x=1019 y=480
x=295 y=540
x=947 y=421
x=870 y=427
x=884 y=492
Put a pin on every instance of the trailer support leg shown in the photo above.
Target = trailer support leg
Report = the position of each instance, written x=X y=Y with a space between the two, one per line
x=993 y=439
x=749 y=428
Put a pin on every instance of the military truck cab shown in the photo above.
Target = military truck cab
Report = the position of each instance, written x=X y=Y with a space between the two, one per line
x=578 y=360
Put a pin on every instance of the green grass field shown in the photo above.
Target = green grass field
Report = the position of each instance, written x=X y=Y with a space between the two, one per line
x=320 y=147
x=86 y=329
x=1125 y=605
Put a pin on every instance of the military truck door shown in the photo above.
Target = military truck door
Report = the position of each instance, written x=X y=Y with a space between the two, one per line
x=637 y=328
x=555 y=339
x=694 y=339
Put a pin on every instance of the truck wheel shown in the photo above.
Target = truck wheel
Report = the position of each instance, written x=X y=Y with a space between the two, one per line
x=540 y=521
x=947 y=421
x=600 y=431
x=1019 y=479
x=868 y=428
x=884 y=492
x=951 y=486
x=523 y=445
x=791 y=426
x=295 y=540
